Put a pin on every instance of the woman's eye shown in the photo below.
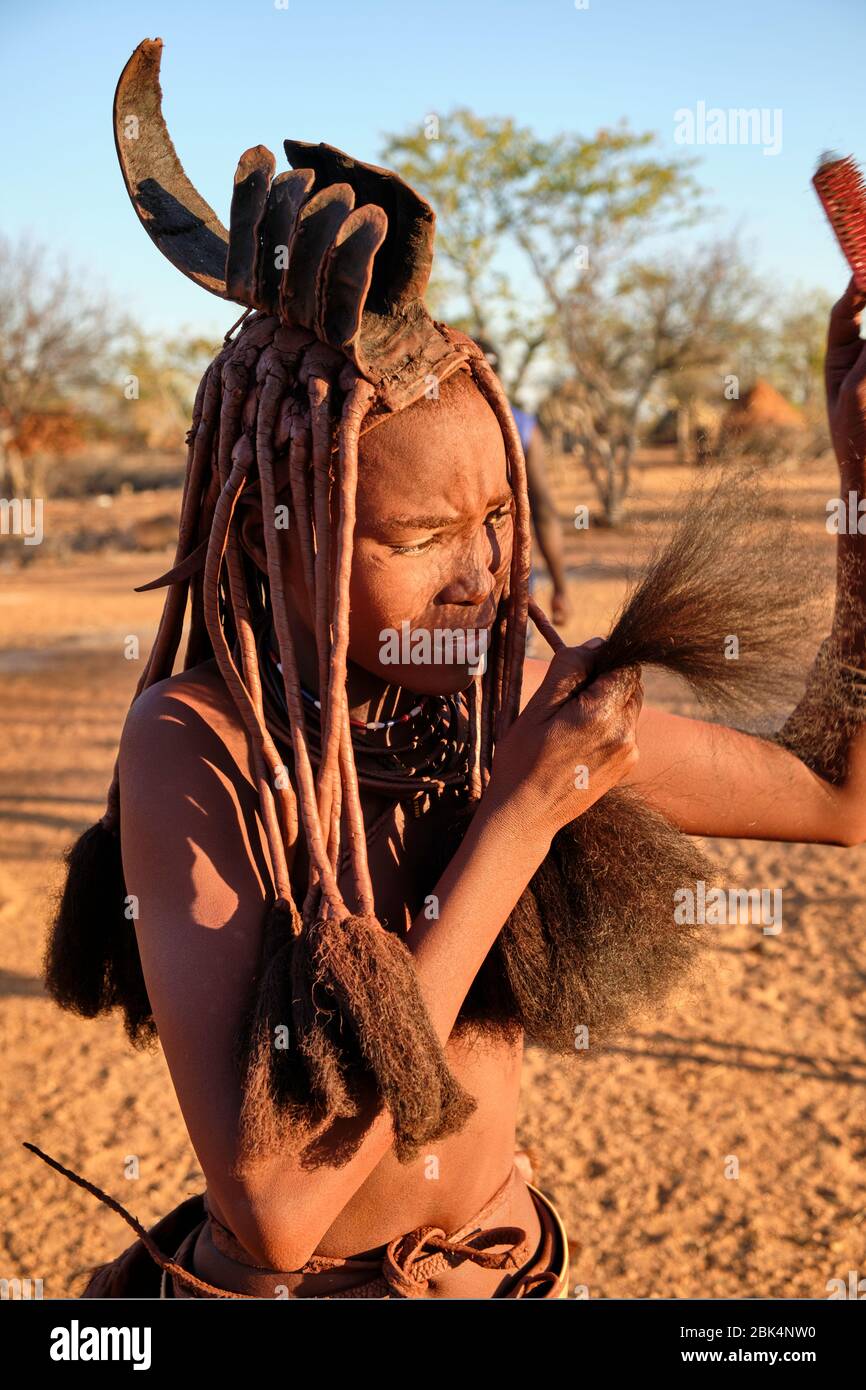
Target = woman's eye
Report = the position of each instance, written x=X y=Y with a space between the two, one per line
x=417 y=549
x=497 y=518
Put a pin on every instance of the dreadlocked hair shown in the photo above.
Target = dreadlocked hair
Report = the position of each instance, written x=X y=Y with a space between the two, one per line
x=335 y=1015
x=333 y=984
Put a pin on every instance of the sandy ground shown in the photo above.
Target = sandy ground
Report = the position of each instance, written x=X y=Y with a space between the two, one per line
x=761 y=1061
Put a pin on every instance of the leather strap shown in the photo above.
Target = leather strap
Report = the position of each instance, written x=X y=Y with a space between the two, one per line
x=402 y=1268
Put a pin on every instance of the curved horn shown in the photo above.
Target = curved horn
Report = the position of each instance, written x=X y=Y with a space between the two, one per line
x=176 y=218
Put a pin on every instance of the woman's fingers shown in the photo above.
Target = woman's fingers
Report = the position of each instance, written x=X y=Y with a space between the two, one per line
x=844 y=343
x=845 y=315
x=569 y=671
x=573 y=691
x=614 y=690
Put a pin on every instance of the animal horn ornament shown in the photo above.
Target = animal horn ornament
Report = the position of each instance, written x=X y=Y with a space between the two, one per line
x=341 y=248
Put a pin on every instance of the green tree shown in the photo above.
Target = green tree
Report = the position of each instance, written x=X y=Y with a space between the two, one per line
x=517 y=215
x=550 y=244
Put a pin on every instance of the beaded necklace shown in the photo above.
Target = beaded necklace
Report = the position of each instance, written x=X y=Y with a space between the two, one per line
x=433 y=764
x=374 y=724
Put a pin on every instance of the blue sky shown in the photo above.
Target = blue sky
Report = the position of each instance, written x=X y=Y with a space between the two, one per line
x=252 y=71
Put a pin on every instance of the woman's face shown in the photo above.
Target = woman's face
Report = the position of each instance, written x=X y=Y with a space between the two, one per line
x=432 y=547
x=433 y=541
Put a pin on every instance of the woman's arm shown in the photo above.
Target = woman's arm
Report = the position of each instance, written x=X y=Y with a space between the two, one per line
x=708 y=779
x=195 y=858
x=712 y=780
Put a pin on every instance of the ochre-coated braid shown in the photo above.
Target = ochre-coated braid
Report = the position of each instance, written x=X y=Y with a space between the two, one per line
x=272 y=384
x=318 y=365
x=475 y=702
x=234 y=684
x=299 y=454
x=167 y=640
x=336 y=738
x=306 y=794
x=487 y=381
x=240 y=403
x=492 y=689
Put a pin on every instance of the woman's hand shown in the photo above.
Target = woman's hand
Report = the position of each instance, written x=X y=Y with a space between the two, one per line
x=571 y=744
x=845 y=379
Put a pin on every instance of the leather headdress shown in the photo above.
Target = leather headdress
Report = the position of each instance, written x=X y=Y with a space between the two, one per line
x=338 y=247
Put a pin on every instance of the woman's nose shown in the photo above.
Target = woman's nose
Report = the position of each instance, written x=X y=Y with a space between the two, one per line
x=474 y=576
x=468 y=589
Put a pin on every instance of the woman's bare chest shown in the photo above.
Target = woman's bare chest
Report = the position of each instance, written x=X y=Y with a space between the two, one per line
x=401 y=853
x=406 y=856
x=405 y=860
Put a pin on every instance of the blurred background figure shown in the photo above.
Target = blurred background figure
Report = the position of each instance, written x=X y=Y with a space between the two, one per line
x=545 y=521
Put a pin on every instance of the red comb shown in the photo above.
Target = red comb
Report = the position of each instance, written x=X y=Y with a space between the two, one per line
x=839 y=184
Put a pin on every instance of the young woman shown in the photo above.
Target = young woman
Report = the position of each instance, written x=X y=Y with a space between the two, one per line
x=256 y=801
x=432 y=546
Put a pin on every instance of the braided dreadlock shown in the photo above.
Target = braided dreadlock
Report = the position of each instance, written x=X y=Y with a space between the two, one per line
x=336 y=344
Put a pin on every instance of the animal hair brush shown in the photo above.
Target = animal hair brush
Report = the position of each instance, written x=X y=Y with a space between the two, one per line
x=839 y=184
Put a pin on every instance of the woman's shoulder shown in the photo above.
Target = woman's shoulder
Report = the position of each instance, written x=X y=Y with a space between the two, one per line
x=201 y=688
x=187 y=785
x=177 y=722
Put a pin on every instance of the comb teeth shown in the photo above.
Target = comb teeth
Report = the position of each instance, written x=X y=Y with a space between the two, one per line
x=839 y=184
